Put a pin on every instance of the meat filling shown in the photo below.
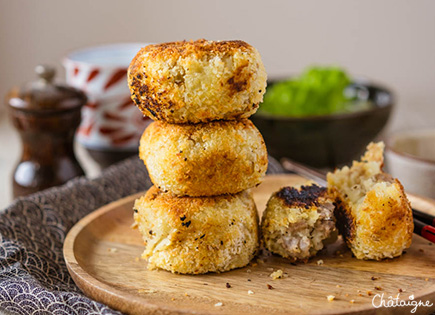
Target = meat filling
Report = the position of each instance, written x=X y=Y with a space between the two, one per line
x=302 y=240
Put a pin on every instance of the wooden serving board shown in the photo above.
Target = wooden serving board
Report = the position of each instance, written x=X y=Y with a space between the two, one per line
x=102 y=254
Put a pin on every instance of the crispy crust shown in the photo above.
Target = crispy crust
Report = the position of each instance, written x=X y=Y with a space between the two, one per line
x=197 y=81
x=377 y=223
x=199 y=48
x=221 y=157
x=304 y=196
x=197 y=235
x=345 y=222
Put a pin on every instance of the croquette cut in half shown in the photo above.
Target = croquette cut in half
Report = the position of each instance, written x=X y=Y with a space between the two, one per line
x=372 y=210
x=197 y=81
x=297 y=220
x=220 y=157
x=197 y=235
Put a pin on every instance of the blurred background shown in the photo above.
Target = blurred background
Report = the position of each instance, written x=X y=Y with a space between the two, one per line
x=391 y=42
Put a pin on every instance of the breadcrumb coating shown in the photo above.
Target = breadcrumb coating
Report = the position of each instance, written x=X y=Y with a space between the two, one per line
x=197 y=235
x=197 y=81
x=221 y=157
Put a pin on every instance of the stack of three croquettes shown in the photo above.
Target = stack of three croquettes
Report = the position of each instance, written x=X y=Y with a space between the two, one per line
x=202 y=153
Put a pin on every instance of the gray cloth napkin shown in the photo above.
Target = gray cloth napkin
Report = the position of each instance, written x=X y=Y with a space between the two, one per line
x=33 y=275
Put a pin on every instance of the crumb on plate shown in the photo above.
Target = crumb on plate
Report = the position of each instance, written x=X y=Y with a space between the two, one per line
x=278 y=274
x=146 y=291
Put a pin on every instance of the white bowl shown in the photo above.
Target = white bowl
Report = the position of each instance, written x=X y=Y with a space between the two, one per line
x=410 y=157
x=110 y=120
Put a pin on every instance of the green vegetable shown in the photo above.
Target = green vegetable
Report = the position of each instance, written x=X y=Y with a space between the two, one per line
x=317 y=91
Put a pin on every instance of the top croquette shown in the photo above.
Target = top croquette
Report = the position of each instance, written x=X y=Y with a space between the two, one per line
x=197 y=81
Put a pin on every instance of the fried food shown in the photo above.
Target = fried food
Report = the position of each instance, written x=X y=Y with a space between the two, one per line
x=221 y=157
x=197 y=81
x=372 y=211
x=297 y=221
x=197 y=235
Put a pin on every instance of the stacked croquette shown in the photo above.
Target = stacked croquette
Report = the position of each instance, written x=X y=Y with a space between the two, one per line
x=202 y=153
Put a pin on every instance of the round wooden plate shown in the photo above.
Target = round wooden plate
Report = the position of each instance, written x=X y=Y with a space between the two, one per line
x=102 y=254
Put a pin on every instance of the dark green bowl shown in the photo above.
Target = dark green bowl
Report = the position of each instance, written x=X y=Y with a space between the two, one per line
x=327 y=141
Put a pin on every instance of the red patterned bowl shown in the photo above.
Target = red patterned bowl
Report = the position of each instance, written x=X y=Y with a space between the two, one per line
x=110 y=120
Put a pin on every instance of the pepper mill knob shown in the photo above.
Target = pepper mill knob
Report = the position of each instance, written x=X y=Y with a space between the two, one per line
x=45 y=73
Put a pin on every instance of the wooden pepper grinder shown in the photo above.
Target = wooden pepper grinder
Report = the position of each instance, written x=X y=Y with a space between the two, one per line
x=46 y=115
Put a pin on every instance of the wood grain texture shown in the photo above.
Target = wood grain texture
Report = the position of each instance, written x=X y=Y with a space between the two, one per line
x=102 y=250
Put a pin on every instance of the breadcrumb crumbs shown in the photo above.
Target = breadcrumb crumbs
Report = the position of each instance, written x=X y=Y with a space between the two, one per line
x=218 y=304
x=133 y=226
x=278 y=274
x=250 y=292
x=330 y=298
x=248 y=271
x=369 y=293
x=136 y=259
x=338 y=286
x=319 y=262
x=146 y=291
x=378 y=288
x=112 y=250
x=352 y=301
x=426 y=279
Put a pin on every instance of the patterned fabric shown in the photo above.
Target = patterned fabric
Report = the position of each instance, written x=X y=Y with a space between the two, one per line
x=33 y=275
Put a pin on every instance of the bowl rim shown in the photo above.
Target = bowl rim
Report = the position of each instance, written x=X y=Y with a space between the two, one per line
x=340 y=116
x=75 y=56
x=391 y=138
